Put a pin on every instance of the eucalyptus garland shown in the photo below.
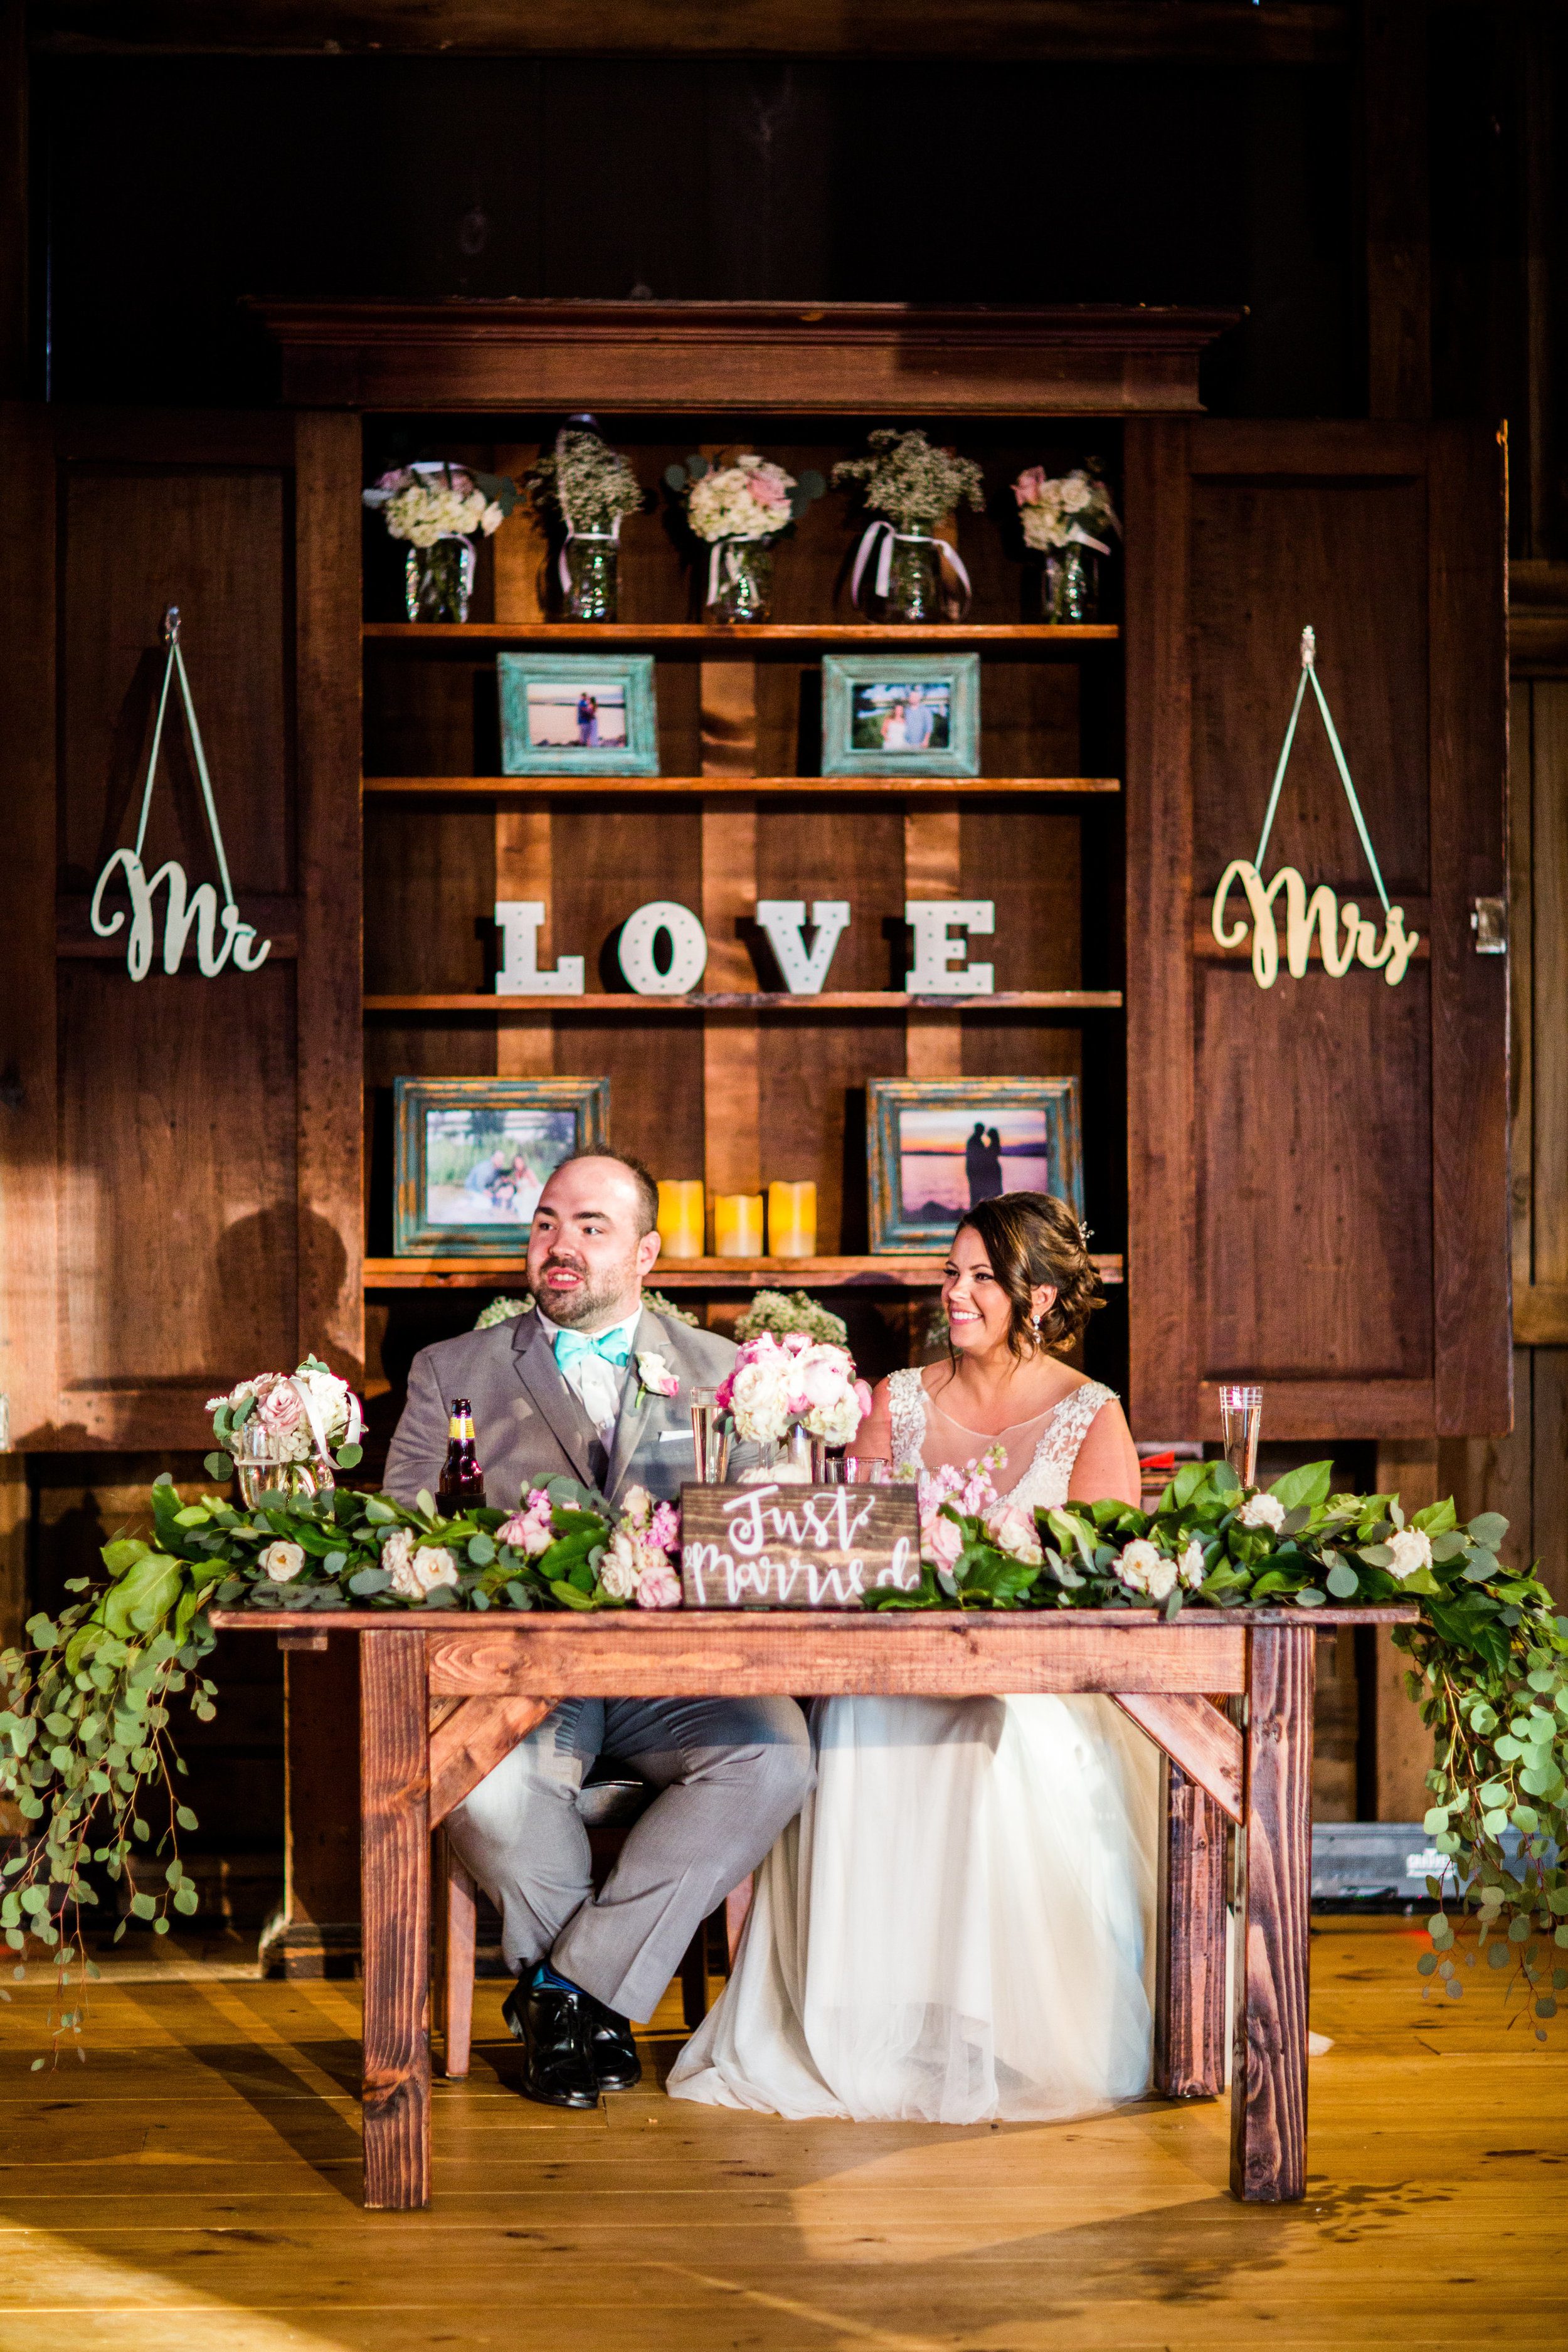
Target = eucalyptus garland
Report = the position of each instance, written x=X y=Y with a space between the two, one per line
x=84 y=1735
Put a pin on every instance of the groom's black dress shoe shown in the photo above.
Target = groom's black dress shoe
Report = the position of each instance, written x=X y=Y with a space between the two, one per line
x=616 y=2060
x=556 y=2027
x=612 y=2061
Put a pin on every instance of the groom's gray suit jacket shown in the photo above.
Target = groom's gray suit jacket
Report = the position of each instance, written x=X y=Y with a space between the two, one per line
x=528 y=1425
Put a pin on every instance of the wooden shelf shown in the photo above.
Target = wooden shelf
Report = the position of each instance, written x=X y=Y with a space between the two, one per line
x=443 y=636
x=869 y=1000
x=489 y=788
x=691 y=1273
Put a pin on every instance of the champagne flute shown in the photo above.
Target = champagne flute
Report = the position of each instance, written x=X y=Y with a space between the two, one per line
x=1241 y=1418
x=710 y=1437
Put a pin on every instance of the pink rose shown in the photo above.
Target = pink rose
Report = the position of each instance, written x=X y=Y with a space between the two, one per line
x=659 y=1588
x=279 y=1408
x=664 y=1528
x=942 y=1541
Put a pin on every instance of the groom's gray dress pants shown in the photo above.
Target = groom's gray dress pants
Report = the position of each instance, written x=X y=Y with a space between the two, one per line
x=732 y=1772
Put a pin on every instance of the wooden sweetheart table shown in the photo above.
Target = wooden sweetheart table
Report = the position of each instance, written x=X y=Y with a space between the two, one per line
x=445 y=1696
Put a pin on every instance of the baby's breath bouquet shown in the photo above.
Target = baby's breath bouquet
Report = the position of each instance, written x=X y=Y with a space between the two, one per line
x=586 y=488
x=780 y=1311
x=909 y=485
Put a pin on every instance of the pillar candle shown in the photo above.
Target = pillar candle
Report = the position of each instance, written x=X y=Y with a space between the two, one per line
x=792 y=1220
x=680 y=1215
x=737 y=1224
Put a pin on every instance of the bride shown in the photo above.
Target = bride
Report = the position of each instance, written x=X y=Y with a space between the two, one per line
x=958 y=1926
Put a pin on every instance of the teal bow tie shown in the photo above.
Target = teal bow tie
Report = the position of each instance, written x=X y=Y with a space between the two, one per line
x=615 y=1347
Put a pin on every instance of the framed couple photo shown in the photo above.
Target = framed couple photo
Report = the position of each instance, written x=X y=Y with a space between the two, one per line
x=900 y=715
x=473 y=1154
x=936 y=1146
x=578 y=714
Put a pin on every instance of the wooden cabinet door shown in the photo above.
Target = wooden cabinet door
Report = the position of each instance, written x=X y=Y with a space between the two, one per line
x=1317 y=1171
x=181 y=1178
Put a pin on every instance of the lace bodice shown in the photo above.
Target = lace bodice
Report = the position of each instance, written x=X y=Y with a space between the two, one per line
x=1044 y=1484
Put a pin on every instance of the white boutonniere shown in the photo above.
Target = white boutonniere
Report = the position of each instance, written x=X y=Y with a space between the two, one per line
x=655 y=1377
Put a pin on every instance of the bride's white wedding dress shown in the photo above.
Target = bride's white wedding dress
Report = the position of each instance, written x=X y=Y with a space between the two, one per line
x=960 y=1925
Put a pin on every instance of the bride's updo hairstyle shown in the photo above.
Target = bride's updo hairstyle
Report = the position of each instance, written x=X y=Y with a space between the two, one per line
x=1034 y=1239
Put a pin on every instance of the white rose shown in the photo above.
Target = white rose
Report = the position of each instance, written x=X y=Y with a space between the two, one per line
x=283 y=1562
x=414 y=1573
x=620 y=1569
x=1137 y=1565
x=1190 y=1567
x=1411 y=1549
x=1262 y=1511
x=1012 y=1530
x=1076 y=492
x=1163 y=1579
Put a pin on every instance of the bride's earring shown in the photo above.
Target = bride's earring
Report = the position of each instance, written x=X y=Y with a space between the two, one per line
x=1035 y=1328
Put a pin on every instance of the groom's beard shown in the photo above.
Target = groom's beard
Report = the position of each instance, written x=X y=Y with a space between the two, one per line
x=607 y=1297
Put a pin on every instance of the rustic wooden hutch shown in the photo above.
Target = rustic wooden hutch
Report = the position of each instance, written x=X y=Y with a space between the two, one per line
x=1307 y=1185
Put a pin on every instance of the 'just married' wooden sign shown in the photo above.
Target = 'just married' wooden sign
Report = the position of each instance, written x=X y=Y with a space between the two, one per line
x=783 y=1547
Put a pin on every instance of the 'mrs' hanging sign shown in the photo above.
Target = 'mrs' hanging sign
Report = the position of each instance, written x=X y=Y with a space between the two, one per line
x=219 y=934
x=1321 y=913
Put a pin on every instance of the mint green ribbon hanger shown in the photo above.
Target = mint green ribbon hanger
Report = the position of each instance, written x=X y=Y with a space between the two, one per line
x=181 y=912
x=1310 y=670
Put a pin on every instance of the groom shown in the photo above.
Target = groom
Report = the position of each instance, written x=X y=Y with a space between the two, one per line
x=559 y=1391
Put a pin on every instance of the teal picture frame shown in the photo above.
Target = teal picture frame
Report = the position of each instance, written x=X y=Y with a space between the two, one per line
x=855 y=699
x=444 y=1129
x=917 y=1129
x=557 y=681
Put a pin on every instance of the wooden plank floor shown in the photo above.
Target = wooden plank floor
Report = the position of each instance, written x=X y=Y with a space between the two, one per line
x=194 y=2185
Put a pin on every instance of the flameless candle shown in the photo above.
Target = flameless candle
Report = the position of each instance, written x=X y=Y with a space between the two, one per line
x=737 y=1224
x=680 y=1214
x=792 y=1220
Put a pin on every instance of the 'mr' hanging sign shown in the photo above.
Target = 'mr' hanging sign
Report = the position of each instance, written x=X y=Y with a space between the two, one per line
x=1358 y=942
x=181 y=913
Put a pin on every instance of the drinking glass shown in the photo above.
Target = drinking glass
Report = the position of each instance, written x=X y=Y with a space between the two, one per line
x=860 y=1470
x=1241 y=1418
x=710 y=1437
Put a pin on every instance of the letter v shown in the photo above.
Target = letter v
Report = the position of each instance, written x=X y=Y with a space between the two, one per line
x=783 y=923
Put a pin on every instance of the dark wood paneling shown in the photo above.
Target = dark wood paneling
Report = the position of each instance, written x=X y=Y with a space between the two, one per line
x=1350 y=557
x=1311 y=32
x=854 y=852
x=812 y=1080
x=655 y=1069
x=135 y=541
x=610 y=858
x=178 y=1223
x=1162 y=1232
x=1028 y=864
x=1190 y=1966
x=1291 y=1086
x=28 y=1116
x=429 y=899
x=330 y=1051
x=1473 y=1334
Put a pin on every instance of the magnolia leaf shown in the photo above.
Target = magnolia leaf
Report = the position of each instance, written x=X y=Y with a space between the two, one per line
x=1307 y=1486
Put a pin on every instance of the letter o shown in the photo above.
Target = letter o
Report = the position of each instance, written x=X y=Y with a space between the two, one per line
x=688 y=948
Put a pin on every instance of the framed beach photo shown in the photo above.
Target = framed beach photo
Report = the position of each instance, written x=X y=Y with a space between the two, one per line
x=900 y=715
x=936 y=1146
x=578 y=714
x=473 y=1155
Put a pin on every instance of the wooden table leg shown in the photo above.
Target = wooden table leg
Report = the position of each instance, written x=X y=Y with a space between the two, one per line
x=1189 y=1978
x=1268 y=2083
x=394 y=1884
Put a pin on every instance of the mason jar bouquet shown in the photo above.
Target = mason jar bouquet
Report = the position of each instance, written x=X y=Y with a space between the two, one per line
x=436 y=507
x=585 y=489
x=794 y=1398
x=910 y=487
x=741 y=509
x=286 y=1433
x=1067 y=518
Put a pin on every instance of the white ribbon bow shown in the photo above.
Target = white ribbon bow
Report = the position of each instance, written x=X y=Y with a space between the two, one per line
x=726 y=548
x=612 y=534
x=880 y=536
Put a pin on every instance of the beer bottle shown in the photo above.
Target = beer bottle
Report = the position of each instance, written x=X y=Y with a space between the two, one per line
x=462 y=1480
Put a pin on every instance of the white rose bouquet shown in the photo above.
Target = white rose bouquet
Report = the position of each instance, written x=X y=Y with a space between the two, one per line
x=432 y=500
x=1065 y=510
x=309 y=1414
x=747 y=501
